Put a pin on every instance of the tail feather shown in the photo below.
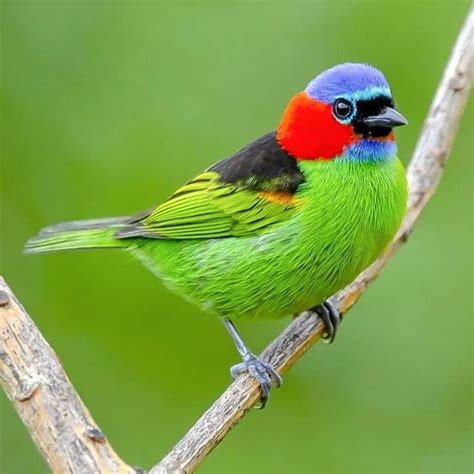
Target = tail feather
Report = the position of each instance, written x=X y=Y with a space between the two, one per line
x=84 y=225
x=88 y=234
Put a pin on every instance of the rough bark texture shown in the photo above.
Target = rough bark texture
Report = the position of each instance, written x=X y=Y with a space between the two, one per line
x=58 y=421
x=36 y=384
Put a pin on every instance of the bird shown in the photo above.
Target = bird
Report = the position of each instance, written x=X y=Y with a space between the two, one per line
x=281 y=225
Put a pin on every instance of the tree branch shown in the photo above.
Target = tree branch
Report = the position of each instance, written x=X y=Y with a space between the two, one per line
x=35 y=382
x=59 y=423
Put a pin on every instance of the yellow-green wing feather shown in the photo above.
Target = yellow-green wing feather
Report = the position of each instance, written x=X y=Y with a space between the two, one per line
x=207 y=208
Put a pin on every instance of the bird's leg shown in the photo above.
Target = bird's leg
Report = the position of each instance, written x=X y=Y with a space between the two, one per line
x=262 y=371
x=331 y=317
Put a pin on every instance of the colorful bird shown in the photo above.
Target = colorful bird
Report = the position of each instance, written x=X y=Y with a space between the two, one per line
x=283 y=224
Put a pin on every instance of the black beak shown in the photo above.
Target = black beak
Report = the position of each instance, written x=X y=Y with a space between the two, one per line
x=388 y=118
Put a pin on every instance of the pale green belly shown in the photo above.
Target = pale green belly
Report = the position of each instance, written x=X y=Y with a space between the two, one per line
x=274 y=275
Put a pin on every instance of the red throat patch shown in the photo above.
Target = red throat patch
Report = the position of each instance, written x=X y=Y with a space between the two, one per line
x=309 y=131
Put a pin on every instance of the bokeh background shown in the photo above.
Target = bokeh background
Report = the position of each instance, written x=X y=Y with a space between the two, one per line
x=107 y=107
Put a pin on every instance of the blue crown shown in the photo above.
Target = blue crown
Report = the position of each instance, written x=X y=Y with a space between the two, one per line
x=349 y=80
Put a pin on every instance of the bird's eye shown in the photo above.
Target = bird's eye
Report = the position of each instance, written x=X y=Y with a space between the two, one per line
x=342 y=109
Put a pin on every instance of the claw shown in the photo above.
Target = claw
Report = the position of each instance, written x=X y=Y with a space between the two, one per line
x=262 y=371
x=331 y=318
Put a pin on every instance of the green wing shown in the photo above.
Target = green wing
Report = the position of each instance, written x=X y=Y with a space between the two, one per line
x=207 y=208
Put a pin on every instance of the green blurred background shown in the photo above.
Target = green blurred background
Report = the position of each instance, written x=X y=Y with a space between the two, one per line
x=107 y=107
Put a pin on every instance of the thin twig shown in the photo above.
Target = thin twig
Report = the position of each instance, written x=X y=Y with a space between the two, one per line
x=60 y=424
x=423 y=175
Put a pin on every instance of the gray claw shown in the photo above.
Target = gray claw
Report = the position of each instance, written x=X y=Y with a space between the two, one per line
x=262 y=371
x=331 y=318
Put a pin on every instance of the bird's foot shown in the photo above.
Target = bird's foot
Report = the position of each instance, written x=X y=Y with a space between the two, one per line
x=331 y=317
x=262 y=371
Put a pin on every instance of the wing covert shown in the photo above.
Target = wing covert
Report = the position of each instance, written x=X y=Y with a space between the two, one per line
x=239 y=196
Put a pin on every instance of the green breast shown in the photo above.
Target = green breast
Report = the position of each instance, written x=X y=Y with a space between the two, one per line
x=348 y=214
x=355 y=210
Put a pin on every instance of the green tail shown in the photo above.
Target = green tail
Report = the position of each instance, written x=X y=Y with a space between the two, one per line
x=97 y=233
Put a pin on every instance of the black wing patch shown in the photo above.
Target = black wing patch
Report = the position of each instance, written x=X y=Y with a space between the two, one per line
x=261 y=165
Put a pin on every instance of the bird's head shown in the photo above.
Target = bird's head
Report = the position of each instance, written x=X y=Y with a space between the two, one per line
x=346 y=111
